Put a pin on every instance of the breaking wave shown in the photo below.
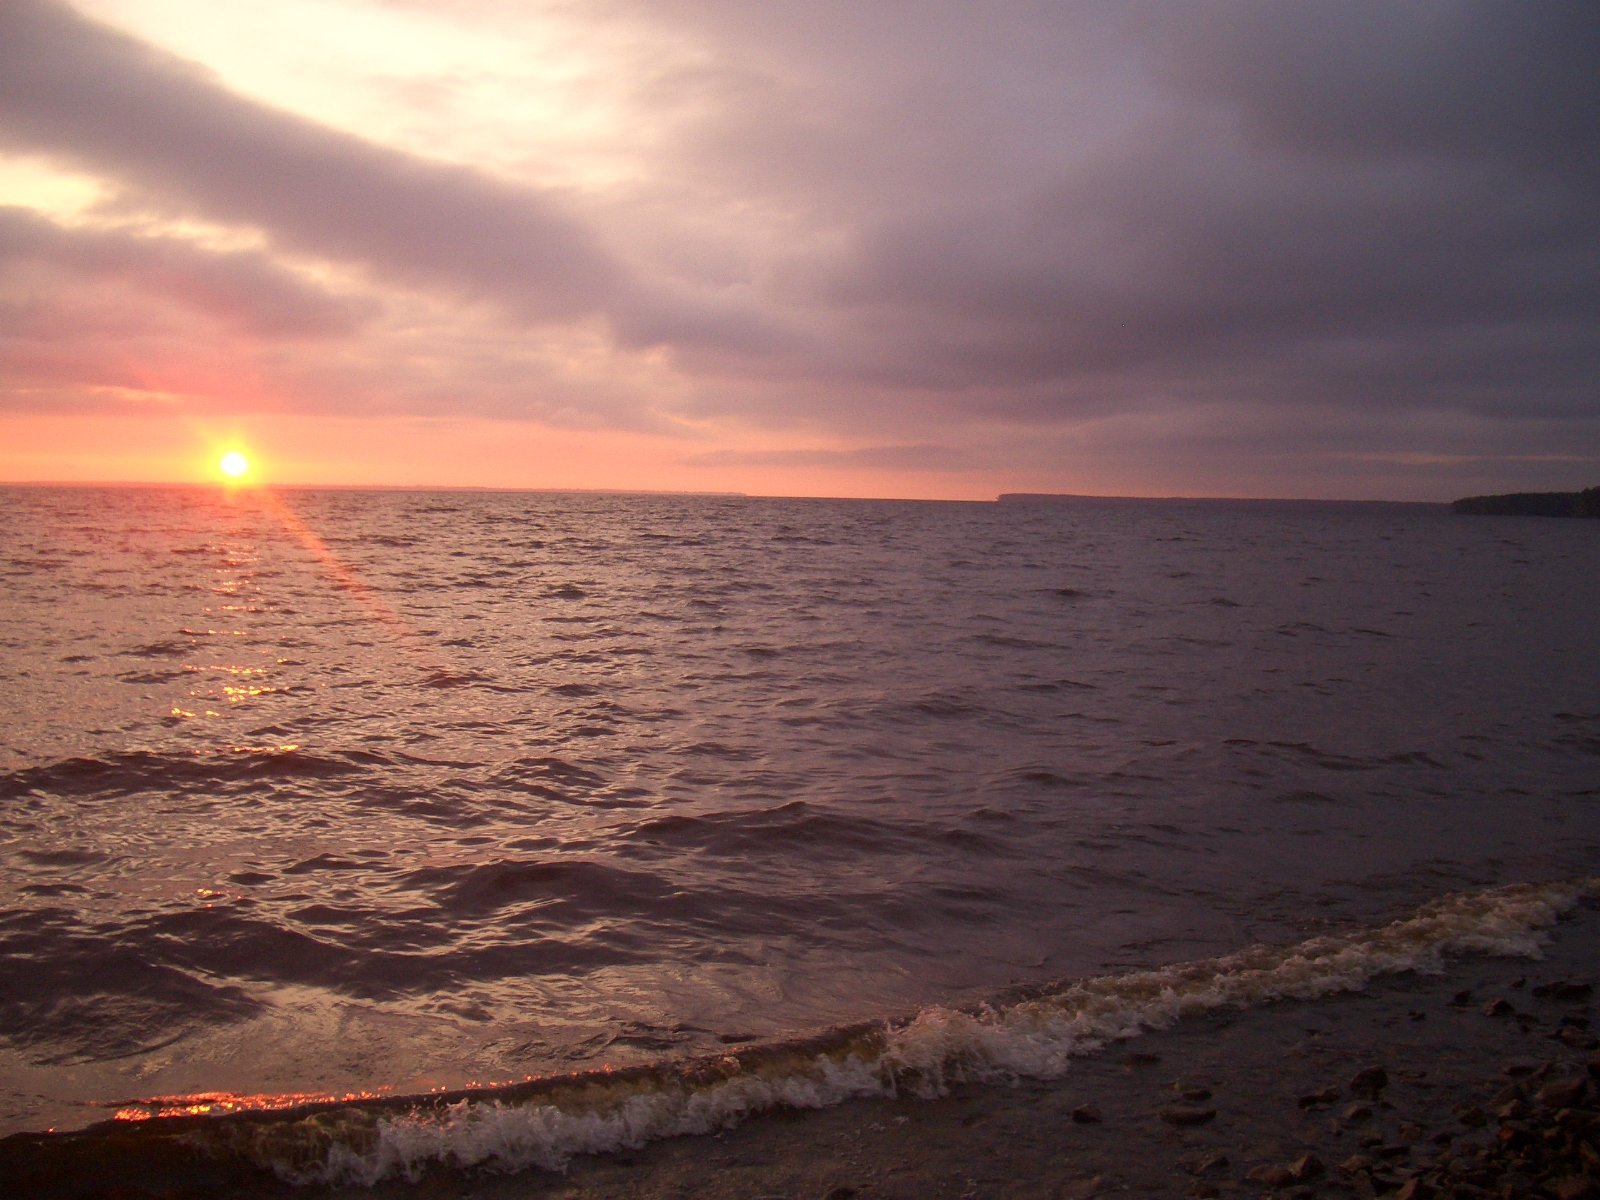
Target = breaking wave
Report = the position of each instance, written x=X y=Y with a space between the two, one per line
x=1036 y=1034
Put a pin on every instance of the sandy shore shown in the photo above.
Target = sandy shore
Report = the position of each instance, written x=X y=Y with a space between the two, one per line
x=1480 y=1083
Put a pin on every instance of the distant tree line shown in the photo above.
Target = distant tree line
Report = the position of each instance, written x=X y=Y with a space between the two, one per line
x=1533 y=504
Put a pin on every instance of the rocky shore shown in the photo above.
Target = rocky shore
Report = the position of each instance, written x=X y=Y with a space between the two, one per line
x=1483 y=1082
x=1480 y=1083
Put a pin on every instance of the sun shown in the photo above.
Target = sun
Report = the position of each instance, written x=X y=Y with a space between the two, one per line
x=233 y=465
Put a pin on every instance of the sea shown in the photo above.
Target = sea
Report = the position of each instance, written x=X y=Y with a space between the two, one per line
x=487 y=828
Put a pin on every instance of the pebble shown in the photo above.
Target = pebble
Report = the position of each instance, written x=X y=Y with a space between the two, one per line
x=1183 y=1115
x=1328 y=1095
x=1356 y=1164
x=1369 y=1082
x=1307 y=1166
x=1564 y=989
x=1274 y=1175
x=1576 y=1038
x=1087 y=1114
x=1519 y=1067
x=1573 y=1187
x=1564 y=1093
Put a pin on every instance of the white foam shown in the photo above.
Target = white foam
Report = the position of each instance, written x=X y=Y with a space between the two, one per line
x=1034 y=1038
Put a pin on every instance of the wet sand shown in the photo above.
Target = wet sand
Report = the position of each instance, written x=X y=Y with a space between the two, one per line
x=1375 y=1092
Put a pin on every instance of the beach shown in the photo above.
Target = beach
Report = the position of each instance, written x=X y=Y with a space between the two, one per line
x=1475 y=1082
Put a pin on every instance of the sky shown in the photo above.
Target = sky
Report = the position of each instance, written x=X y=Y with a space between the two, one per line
x=1344 y=249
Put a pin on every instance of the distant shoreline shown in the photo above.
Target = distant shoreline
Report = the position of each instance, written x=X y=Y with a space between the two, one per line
x=1532 y=504
x=1071 y=498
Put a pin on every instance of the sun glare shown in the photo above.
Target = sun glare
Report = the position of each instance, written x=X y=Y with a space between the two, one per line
x=233 y=465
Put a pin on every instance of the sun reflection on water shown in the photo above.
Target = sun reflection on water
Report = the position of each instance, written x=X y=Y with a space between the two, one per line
x=222 y=1104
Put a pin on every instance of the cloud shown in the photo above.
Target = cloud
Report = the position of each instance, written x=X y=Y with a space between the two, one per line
x=1198 y=235
x=246 y=290
x=894 y=458
x=97 y=99
x=1486 y=80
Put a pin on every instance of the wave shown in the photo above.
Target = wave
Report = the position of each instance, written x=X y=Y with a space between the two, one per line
x=1032 y=1034
x=132 y=771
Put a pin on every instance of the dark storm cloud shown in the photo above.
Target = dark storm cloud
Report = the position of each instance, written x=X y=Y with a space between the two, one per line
x=1298 y=231
x=1496 y=80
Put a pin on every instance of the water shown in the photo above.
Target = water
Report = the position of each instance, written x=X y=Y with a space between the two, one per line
x=310 y=793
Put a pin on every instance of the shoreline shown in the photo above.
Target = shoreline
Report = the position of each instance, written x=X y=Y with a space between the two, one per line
x=1278 y=1099
x=1284 y=1099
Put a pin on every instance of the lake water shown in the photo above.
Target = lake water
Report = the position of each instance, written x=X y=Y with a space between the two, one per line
x=322 y=792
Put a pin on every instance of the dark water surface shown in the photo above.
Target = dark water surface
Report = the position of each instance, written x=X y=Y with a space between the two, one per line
x=328 y=791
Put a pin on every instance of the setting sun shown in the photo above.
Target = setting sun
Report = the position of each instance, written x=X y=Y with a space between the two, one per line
x=233 y=465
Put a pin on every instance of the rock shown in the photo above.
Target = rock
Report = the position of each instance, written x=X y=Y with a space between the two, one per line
x=1191 y=1091
x=1087 y=1114
x=1185 y=1115
x=1274 y=1175
x=1576 y=1038
x=1564 y=989
x=1563 y=1093
x=1412 y=1189
x=1082 y=1189
x=1356 y=1164
x=1471 y=1115
x=1498 y=1008
x=1328 y=1095
x=1307 y=1166
x=843 y=1192
x=1211 y=1164
x=1358 y=1112
x=1204 y=1191
x=1369 y=1082
x=1572 y=1187
x=1461 y=999
x=1513 y=1110
x=1515 y=1135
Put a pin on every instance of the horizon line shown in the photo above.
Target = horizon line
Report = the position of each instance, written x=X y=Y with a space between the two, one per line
x=998 y=498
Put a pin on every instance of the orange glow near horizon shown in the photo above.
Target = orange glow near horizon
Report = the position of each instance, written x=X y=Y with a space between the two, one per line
x=302 y=450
